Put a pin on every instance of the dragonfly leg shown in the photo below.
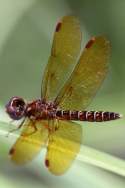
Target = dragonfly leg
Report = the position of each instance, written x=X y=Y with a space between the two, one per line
x=34 y=127
x=13 y=130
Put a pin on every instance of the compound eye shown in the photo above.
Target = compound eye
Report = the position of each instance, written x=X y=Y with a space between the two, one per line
x=18 y=103
x=16 y=108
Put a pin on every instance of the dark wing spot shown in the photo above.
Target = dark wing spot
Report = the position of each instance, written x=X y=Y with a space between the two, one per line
x=90 y=43
x=11 y=152
x=47 y=163
x=58 y=27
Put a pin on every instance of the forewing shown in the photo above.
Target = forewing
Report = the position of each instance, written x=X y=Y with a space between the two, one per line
x=87 y=75
x=65 y=50
x=63 y=146
x=30 y=142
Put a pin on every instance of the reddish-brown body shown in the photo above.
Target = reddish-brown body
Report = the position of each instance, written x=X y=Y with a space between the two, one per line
x=40 y=109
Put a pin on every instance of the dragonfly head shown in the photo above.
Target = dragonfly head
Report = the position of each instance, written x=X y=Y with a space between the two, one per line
x=16 y=108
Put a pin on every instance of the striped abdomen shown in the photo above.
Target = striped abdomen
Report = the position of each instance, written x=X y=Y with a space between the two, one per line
x=92 y=116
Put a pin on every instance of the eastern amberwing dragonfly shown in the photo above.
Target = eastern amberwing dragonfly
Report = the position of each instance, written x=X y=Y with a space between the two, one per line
x=68 y=86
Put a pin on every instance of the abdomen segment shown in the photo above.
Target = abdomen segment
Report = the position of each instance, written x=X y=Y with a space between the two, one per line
x=91 y=116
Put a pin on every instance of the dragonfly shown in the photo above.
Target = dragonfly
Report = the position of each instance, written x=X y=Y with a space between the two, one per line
x=70 y=81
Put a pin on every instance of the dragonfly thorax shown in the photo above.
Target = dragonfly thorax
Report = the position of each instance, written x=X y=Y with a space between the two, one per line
x=40 y=109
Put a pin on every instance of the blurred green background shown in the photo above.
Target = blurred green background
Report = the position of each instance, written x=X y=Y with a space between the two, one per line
x=26 y=31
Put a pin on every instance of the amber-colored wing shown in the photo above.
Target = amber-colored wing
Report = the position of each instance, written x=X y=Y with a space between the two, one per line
x=87 y=76
x=65 y=50
x=63 y=146
x=30 y=142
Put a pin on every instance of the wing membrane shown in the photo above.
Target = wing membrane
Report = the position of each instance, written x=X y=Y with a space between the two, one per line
x=65 y=50
x=30 y=142
x=63 y=146
x=87 y=76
